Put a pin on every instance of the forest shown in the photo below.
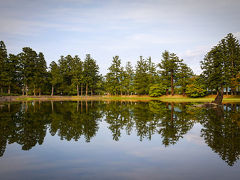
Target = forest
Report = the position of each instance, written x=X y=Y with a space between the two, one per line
x=27 y=73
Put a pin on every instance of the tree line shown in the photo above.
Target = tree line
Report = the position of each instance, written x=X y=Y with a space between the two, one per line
x=27 y=73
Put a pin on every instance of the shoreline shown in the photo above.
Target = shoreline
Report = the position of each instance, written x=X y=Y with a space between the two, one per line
x=169 y=98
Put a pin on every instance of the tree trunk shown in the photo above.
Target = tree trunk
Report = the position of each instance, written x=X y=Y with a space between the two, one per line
x=219 y=98
x=1 y=90
x=26 y=90
x=39 y=92
x=227 y=90
x=81 y=90
x=9 y=89
x=23 y=91
x=86 y=89
x=52 y=90
x=172 y=87
x=91 y=92
x=34 y=91
x=184 y=92
x=77 y=90
x=167 y=92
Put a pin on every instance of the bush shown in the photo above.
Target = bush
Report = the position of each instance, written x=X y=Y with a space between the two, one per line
x=157 y=90
x=195 y=90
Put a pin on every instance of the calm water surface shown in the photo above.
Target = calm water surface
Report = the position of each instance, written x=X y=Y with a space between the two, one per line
x=119 y=140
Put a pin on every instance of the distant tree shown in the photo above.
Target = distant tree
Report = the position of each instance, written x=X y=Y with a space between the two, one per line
x=157 y=90
x=28 y=60
x=184 y=74
x=65 y=71
x=41 y=72
x=91 y=73
x=169 y=68
x=221 y=65
x=195 y=88
x=55 y=77
x=129 y=84
x=100 y=85
x=114 y=76
x=12 y=68
x=141 y=78
x=77 y=74
x=3 y=61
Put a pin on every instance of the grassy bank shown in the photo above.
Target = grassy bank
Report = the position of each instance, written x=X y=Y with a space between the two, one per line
x=176 y=98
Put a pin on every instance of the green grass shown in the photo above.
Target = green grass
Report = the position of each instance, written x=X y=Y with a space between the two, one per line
x=130 y=98
x=26 y=99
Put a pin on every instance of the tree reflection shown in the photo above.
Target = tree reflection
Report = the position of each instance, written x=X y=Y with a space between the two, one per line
x=222 y=131
x=70 y=124
x=27 y=123
x=173 y=121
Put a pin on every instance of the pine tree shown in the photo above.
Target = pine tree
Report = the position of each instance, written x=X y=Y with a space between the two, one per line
x=65 y=71
x=56 y=77
x=183 y=76
x=113 y=77
x=141 y=79
x=91 y=73
x=221 y=65
x=12 y=68
x=3 y=61
x=169 y=66
x=77 y=73
x=41 y=72
x=129 y=78
x=28 y=60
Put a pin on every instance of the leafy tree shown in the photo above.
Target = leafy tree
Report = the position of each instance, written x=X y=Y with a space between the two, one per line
x=221 y=65
x=169 y=67
x=144 y=76
x=28 y=60
x=56 y=77
x=129 y=84
x=195 y=88
x=157 y=90
x=91 y=73
x=41 y=72
x=65 y=71
x=114 y=77
x=77 y=74
x=183 y=75
x=3 y=60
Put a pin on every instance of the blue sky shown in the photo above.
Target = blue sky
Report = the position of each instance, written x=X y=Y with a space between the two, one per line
x=128 y=28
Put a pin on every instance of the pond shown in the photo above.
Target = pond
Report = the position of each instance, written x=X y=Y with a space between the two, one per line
x=119 y=140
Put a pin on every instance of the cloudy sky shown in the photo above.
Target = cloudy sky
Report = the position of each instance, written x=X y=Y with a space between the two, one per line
x=128 y=28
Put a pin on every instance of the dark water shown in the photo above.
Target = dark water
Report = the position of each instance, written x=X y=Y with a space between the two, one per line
x=119 y=140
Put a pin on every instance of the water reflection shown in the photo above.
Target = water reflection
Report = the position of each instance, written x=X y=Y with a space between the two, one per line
x=27 y=123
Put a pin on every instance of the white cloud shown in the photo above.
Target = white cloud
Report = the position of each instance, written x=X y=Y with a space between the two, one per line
x=237 y=35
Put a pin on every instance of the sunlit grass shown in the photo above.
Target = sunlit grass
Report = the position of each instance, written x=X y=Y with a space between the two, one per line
x=175 y=98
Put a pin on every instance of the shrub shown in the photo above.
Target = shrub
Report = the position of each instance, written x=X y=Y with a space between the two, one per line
x=157 y=90
x=195 y=90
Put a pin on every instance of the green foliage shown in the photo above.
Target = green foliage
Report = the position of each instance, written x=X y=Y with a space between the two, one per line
x=157 y=90
x=90 y=73
x=169 y=65
x=195 y=89
x=222 y=63
x=145 y=76
x=114 y=77
x=183 y=77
